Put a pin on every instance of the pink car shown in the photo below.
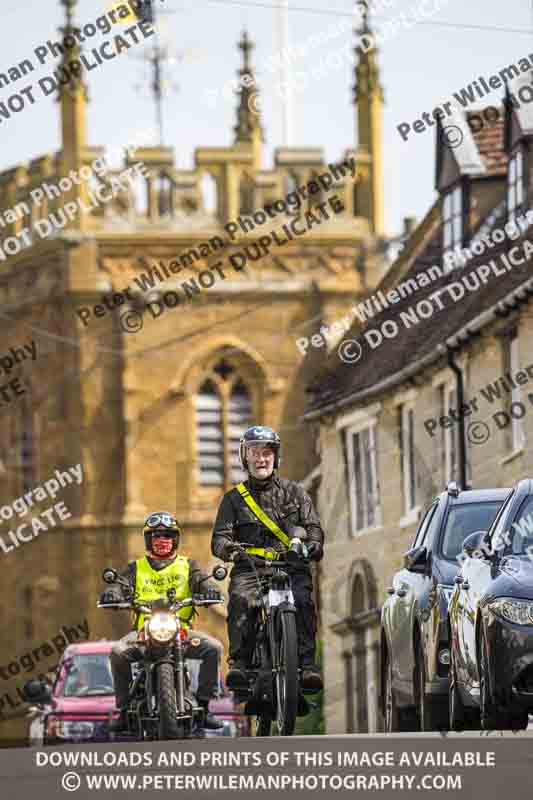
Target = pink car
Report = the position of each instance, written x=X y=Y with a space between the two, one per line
x=235 y=722
x=78 y=706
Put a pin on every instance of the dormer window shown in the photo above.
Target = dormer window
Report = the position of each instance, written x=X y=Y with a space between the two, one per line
x=515 y=184
x=452 y=219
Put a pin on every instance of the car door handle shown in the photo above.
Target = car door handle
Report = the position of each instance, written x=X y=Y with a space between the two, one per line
x=401 y=592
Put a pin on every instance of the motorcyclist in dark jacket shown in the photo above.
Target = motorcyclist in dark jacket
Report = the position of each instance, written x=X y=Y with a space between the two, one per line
x=162 y=568
x=288 y=505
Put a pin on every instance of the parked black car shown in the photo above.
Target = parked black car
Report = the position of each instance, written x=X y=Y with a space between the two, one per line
x=414 y=621
x=491 y=622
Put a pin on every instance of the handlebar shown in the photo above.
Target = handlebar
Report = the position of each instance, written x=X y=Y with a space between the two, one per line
x=147 y=609
x=296 y=549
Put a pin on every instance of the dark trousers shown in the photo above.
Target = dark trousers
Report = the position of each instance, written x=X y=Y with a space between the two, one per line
x=243 y=610
x=125 y=651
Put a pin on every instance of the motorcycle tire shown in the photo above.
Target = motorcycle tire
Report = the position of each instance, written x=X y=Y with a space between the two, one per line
x=287 y=674
x=263 y=725
x=169 y=726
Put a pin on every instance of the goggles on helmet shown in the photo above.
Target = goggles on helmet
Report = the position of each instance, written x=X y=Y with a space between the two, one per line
x=163 y=521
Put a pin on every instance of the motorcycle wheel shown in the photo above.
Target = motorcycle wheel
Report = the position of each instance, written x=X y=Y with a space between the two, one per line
x=287 y=674
x=263 y=725
x=169 y=727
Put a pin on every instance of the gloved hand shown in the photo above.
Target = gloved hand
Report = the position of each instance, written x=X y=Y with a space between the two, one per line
x=111 y=596
x=314 y=551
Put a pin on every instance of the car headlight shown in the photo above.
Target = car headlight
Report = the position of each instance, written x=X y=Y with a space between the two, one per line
x=70 y=729
x=520 y=612
x=162 y=627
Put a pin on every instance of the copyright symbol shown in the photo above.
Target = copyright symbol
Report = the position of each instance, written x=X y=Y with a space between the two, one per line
x=349 y=351
x=71 y=781
x=254 y=103
x=452 y=136
x=131 y=321
x=478 y=433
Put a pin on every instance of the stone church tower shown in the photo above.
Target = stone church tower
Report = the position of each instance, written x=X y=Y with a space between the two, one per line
x=156 y=346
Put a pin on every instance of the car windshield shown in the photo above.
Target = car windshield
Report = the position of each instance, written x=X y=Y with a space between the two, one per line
x=462 y=521
x=86 y=675
x=518 y=540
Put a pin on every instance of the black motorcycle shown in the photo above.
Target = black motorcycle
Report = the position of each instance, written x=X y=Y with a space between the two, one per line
x=273 y=692
x=160 y=705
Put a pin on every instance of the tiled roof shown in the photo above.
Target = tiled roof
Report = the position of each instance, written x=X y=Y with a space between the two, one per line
x=342 y=380
x=413 y=343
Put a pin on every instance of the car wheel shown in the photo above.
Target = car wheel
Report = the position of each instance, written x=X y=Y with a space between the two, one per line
x=491 y=718
x=455 y=703
x=392 y=717
x=432 y=712
x=396 y=719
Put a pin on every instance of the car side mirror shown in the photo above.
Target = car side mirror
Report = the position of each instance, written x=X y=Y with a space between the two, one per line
x=474 y=542
x=36 y=691
x=416 y=559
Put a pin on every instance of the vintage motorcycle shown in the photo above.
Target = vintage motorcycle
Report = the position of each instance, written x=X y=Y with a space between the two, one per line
x=160 y=705
x=274 y=692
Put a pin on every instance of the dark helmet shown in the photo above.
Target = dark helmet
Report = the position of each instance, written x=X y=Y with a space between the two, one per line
x=161 y=521
x=259 y=434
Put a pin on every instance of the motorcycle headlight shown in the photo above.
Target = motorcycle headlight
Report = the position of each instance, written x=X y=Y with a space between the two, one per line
x=162 y=627
x=520 y=612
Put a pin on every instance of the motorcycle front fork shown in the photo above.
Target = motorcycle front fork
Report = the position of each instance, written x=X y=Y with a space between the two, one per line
x=180 y=678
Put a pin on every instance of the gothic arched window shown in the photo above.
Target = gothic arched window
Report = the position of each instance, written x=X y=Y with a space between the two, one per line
x=239 y=413
x=223 y=408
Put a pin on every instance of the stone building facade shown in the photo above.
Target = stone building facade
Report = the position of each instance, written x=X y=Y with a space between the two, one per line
x=438 y=389
x=154 y=349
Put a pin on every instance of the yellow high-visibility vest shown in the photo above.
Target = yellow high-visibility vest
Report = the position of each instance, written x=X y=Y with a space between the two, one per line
x=260 y=514
x=152 y=584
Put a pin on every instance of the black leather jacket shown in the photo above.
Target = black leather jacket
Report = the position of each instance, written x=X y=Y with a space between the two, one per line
x=286 y=502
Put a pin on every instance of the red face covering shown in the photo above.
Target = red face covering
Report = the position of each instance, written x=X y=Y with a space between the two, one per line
x=161 y=546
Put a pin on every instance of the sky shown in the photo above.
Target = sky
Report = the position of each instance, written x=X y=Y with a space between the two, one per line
x=420 y=68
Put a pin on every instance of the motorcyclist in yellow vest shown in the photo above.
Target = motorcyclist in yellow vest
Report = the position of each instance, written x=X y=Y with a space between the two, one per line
x=150 y=577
